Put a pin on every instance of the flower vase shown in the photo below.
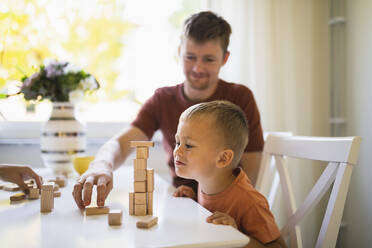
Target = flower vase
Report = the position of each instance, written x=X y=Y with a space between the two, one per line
x=62 y=138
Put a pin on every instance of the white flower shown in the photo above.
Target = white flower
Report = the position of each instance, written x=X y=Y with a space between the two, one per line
x=76 y=96
x=70 y=68
x=89 y=83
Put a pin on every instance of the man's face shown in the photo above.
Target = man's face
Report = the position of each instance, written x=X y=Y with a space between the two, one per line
x=197 y=148
x=202 y=62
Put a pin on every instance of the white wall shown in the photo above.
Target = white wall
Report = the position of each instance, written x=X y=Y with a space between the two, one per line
x=358 y=210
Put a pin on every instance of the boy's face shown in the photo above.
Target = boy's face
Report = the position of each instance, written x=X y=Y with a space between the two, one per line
x=202 y=62
x=197 y=148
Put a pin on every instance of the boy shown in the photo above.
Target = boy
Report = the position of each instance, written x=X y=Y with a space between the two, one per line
x=210 y=141
x=203 y=51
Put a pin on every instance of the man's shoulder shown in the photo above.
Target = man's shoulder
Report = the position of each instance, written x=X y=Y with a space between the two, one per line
x=168 y=90
x=234 y=88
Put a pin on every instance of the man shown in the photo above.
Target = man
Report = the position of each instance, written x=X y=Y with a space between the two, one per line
x=203 y=51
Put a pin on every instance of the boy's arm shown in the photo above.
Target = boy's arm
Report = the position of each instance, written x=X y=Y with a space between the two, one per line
x=278 y=243
x=250 y=163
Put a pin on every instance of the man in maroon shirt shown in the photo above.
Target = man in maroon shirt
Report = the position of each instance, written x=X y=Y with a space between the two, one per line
x=203 y=51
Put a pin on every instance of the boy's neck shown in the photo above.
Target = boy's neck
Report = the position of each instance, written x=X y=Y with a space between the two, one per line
x=217 y=184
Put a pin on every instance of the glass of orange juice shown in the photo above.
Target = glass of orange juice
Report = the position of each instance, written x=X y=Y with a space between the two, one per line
x=81 y=163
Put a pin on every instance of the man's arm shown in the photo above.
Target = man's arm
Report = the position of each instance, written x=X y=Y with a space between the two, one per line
x=100 y=172
x=250 y=163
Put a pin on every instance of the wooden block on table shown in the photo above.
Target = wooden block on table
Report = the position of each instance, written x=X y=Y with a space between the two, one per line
x=47 y=186
x=147 y=222
x=61 y=181
x=96 y=210
x=18 y=197
x=150 y=180
x=140 y=164
x=140 y=198
x=56 y=187
x=1 y=185
x=136 y=143
x=46 y=201
x=11 y=187
x=57 y=193
x=115 y=216
x=140 y=187
x=131 y=203
x=142 y=152
x=150 y=201
x=34 y=193
x=140 y=175
x=140 y=209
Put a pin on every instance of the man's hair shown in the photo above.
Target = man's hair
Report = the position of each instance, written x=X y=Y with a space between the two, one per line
x=230 y=124
x=205 y=26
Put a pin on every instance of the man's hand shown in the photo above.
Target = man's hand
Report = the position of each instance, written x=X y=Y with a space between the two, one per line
x=100 y=174
x=17 y=174
x=221 y=218
x=185 y=191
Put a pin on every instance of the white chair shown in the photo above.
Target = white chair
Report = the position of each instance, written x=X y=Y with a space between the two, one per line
x=342 y=155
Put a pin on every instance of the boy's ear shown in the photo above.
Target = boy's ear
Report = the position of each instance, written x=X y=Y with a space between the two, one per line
x=225 y=158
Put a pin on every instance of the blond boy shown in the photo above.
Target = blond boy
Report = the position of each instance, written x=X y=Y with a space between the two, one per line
x=210 y=141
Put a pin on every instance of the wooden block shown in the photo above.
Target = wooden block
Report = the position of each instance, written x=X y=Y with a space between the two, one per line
x=150 y=180
x=56 y=187
x=140 y=209
x=18 y=197
x=34 y=193
x=136 y=143
x=140 y=175
x=147 y=222
x=140 y=187
x=142 y=152
x=140 y=198
x=1 y=185
x=115 y=216
x=47 y=186
x=11 y=187
x=57 y=193
x=150 y=201
x=131 y=203
x=140 y=164
x=46 y=201
x=61 y=181
x=96 y=210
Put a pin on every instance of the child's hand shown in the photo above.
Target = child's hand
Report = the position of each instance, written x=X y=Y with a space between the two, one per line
x=185 y=191
x=221 y=218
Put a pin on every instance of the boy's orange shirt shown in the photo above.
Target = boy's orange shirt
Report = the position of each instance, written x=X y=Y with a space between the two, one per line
x=246 y=205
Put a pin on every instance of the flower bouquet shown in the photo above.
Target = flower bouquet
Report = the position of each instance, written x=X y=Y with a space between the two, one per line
x=58 y=82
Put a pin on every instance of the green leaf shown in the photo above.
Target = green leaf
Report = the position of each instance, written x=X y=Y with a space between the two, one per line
x=2 y=95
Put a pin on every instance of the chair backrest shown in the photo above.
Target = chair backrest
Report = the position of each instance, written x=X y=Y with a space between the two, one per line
x=342 y=155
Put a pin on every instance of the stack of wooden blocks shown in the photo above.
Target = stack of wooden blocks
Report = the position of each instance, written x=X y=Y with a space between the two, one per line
x=47 y=197
x=141 y=200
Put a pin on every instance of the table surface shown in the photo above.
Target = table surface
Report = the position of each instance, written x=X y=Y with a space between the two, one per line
x=181 y=221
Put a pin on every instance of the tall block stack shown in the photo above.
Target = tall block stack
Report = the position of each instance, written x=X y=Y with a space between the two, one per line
x=47 y=198
x=141 y=200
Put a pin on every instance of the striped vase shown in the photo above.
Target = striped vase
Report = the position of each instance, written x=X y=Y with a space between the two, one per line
x=62 y=138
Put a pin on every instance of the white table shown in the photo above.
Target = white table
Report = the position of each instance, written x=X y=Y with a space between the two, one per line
x=181 y=222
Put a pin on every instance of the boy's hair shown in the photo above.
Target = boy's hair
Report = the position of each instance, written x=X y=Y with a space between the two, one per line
x=231 y=124
x=205 y=26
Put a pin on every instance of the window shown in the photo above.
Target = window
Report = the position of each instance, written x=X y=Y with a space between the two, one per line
x=130 y=46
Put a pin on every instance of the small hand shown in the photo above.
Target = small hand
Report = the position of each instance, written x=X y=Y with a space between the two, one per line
x=100 y=174
x=17 y=174
x=185 y=191
x=221 y=218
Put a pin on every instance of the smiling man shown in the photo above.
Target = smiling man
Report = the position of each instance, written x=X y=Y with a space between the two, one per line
x=203 y=51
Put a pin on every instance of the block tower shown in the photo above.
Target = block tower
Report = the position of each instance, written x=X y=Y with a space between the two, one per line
x=141 y=200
